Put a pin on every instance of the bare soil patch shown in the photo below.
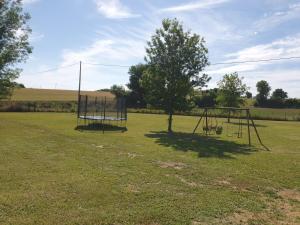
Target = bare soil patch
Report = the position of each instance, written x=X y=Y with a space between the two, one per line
x=174 y=165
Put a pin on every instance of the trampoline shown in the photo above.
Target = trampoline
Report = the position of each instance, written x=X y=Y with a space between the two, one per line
x=102 y=110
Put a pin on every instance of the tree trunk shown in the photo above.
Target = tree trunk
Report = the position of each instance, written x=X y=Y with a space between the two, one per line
x=170 y=122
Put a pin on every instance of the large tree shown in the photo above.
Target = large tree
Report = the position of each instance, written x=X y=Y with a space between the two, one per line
x=137 y=94
x=14 y=45
x=118 y=90
x=263 y=92
x=279 y=94
x=231 y=90
x=175 y=58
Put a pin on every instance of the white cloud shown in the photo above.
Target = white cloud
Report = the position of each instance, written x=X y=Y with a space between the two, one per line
x=102 y=51
x=106 y=51
x=27 y=2
x=271 y=20
x=114 y=9
x=285 y=47
x=35 y=37
x=276 y=72
x=194 y=5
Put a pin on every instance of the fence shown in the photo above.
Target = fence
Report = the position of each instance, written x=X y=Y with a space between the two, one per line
x=71 y=106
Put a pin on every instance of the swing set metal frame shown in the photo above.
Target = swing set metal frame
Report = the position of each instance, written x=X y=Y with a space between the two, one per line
x=205 y=116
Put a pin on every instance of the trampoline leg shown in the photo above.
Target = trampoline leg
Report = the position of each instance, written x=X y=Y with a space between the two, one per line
x=102 y=122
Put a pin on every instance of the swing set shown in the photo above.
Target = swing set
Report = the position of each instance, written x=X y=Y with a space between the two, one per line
x=212 y=125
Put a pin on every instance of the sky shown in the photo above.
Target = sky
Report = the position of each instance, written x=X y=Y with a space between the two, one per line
x=115 y=32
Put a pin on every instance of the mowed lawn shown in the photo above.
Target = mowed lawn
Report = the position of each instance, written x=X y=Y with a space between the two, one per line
x=51 y=173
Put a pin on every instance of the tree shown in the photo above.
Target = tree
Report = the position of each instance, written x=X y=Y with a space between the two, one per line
x=175 y=59
x=248 y=94
x=263 y=89
x=207 y=98
x=279 y=94
x=277 y=99
x=18 y=85
x=231 y=89
x=137 y=94
x=118 y=90
x=14 y=45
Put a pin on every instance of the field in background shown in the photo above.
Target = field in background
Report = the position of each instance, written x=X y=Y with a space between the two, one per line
x=50 y=100
x=256 y=113
x=51 y=173
x=276 y=114
x=31 y=94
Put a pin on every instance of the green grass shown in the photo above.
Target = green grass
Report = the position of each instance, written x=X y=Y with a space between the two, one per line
x=256 y=113
x=51 y=173
x=276 y=114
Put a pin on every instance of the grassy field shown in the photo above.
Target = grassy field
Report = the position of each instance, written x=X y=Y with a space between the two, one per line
x=51 y=173
x=257 y=113
x=30 y=94
x=55 y=96
x=276 y=114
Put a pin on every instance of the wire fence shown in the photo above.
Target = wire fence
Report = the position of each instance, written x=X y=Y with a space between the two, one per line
x=71 y=107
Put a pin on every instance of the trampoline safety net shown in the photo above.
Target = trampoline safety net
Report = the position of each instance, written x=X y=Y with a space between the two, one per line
x=101 y=108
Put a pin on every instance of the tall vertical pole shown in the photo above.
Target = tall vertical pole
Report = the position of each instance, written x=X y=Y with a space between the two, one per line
x=228 y=119
x=79 y=91
x=248 y=124
x=206 y=122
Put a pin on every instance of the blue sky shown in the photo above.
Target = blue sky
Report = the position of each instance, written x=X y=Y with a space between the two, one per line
x=116 y=31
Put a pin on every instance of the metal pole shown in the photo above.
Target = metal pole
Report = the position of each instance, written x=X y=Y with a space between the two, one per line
x=228 y=120
x=104 y=106
x=206 y=122
x=85 y=109
x=79 y=91
x=248 y=124
x=199 y=121
x=258 y=137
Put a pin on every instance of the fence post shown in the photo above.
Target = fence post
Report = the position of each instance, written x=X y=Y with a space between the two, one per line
x=248 y=124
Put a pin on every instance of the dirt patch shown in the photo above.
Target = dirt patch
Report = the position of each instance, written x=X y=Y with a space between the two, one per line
x=279 y=212
x=235 y=185
x=225 y=183
x=130 y=155
x=132 y=188
x=191 y=184
x=242 y=217
x=290 y=194
x=174 y=165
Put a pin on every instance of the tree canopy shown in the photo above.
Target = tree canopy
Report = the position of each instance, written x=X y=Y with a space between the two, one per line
x=14 y=45
x=231 y=90
x=279 y=94
x=175 y=58
x=137 y=94
x=263 y=89
x=118 y=90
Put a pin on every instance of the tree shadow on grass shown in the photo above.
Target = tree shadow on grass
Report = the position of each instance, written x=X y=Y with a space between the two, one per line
x=98 y=127
x=205 y=146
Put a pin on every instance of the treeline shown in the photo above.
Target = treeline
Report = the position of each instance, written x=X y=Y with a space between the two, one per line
x=231 y=92
x=278 y=98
